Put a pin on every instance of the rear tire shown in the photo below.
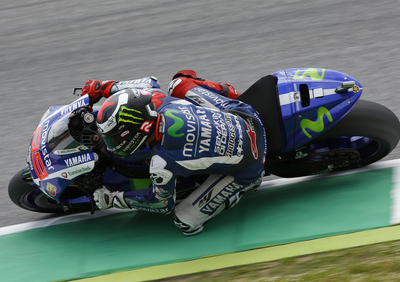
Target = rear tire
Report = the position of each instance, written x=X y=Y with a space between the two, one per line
x=369 y=130
x=376 y=123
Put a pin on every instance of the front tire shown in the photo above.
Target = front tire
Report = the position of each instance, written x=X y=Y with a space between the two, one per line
x=28 y=196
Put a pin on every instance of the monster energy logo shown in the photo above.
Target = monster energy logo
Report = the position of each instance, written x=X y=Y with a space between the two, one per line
x=311 y=72
x=128 y=115
x=178 y=124
x=318 y=125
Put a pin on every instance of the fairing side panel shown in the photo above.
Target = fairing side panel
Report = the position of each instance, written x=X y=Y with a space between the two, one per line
x=302 y=122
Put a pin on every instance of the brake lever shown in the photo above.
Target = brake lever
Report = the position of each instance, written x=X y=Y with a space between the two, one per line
x=75 y=91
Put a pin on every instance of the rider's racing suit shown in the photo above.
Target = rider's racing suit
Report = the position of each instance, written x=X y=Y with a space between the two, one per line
x=201 y=132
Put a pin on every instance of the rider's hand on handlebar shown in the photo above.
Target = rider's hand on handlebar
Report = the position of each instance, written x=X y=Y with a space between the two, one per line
x=96 y=89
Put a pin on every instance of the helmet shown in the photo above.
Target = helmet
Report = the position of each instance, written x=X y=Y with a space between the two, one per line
x=126 y=120
x=185 y=73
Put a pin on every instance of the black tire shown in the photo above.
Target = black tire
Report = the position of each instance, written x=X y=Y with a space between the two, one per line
x=29 y=197
x=376 y=123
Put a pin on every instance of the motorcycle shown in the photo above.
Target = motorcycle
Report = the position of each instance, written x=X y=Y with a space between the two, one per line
x=314 y=120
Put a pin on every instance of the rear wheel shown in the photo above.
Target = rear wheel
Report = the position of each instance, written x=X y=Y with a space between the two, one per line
x=370 y=128
x=365 y=135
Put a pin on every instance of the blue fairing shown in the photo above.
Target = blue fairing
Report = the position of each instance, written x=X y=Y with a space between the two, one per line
x=301 y=123
x=55 y=158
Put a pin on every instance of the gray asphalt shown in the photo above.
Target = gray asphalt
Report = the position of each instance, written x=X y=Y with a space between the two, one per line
x=49 y=47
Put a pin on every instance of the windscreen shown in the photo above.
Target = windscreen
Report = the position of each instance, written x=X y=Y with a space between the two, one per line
x=59 y=138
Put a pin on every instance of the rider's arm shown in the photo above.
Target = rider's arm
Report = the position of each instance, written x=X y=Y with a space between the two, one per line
x=179 y=87
x=142 y=83
x=205 y=98
x=160 y=196
x=97 y=89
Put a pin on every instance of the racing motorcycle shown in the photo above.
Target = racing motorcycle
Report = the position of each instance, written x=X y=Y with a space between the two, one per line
x=314 y=119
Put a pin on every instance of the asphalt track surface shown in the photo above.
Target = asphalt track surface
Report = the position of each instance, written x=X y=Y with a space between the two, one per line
x=49 y=47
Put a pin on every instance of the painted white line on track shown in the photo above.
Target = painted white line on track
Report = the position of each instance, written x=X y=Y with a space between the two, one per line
x=395 y=194
x=268 y=184
x=56 y=221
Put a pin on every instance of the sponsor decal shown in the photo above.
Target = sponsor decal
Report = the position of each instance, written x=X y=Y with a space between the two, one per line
x=73 y=106
x=160 y=193
x=78 y=160
x=145 y=80
x=78 y=171
x=118 y=147
x=311 y=72
x=318 y=125
x=195 y=98
x=253 y=137
x=178 y=124
x=198 y=132
x=222 y=133
x=220 y=198
x=227 y=139
x=64 y=174
x=264 y=138
x=217 y=99
x=128 y=115
x=40 y=165
x=172 y=85
x=137 y=140
x=146 y=126
x=51 y=189
x=239 y=148
x=70 y=151
x=232 y=136
x=126 y=132
x=205 y=199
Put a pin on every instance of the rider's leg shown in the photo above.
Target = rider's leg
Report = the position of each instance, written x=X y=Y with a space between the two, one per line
x=215 y=194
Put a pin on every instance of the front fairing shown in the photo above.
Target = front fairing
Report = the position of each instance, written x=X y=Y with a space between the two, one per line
x=55 y=159
x=302 y=122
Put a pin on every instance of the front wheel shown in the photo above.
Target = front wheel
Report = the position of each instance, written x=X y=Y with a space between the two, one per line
x=27 y=195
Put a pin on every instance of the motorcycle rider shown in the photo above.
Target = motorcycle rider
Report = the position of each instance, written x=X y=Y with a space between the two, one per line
x=195 y=130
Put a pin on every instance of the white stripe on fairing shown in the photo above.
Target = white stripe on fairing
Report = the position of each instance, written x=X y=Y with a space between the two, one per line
x=288 y=98
x=265 y=185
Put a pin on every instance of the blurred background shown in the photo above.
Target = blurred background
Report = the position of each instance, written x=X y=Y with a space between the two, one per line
x=49 y=47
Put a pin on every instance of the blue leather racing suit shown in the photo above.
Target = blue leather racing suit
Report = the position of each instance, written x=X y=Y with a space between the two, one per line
x=204 y=133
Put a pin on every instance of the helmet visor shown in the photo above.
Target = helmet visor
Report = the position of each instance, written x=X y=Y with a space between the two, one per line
x=122 y=144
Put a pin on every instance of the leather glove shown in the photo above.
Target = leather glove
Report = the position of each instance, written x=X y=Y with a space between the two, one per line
x=96 y=89
x=106 y=199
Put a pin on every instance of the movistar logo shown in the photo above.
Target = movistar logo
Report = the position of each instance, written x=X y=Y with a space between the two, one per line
x=178 y=124
x=311 y=72
x=318 y=125
x=128 y=115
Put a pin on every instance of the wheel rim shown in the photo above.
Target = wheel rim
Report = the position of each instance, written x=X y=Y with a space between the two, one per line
x=367 y=147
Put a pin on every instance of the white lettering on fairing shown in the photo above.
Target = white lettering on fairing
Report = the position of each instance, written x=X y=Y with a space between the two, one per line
x=74 y=106
x=77 y=160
